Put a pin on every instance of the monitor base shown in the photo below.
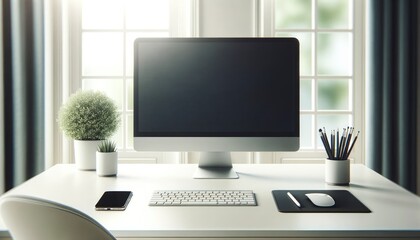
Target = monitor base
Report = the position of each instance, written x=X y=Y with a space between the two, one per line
x=217 y=165
x=215 y=173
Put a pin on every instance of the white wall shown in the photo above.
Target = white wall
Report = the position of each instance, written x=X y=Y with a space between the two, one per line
x=232 y=18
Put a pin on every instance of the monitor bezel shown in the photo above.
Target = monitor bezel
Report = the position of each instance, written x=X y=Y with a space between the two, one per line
x=224 y=142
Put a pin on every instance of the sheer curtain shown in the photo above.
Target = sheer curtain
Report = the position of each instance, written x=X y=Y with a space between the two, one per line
x=23 y=91
x=392 y=90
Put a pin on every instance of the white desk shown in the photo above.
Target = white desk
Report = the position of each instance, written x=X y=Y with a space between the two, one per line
x=395 y=211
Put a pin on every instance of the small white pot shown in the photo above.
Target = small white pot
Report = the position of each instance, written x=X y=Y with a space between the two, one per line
x=337 y=172
x=106 y=164
x=84 y=154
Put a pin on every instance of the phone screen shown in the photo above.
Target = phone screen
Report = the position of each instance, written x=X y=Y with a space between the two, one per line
x=114 y=200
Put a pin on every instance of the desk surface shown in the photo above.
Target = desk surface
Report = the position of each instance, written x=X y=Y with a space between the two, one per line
x=395 y=211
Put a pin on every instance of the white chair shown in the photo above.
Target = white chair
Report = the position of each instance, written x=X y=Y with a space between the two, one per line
x=30 y=218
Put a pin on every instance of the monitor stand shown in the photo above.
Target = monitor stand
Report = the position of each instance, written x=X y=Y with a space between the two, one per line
x=216 y=165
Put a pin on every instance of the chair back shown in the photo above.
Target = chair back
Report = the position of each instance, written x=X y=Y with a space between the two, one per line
x=30 y=218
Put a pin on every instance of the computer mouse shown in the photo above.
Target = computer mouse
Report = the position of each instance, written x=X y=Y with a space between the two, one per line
x=321 y=199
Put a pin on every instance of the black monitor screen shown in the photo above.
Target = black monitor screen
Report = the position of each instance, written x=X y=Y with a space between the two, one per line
x=205 y=87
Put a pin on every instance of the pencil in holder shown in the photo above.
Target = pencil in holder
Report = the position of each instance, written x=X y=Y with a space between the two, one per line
x=338 y=149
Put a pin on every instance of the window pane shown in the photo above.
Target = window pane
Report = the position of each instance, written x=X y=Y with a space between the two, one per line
x=102 y=54
x=335 y=54
x=332 y=122
x=129 y=52
x=113 y=88
x=333 y=94
x=295 y=14
x=109 y=28
x=334 y=14
x=305 y=49
x=110 y=14
x=147 y=14
x=130 y=132
x=306 y=94
x=326 y=61
x=306 y=131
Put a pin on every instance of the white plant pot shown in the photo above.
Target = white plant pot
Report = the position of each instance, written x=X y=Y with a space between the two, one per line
x=337 y=172
x=84 y=154
x=106 y=164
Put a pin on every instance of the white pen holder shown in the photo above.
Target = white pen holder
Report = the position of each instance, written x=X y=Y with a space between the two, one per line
x=337 y=172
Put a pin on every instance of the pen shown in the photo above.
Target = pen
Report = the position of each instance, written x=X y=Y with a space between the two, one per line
x=352 y=145
x=337 y=149
x=333 y=144
x=293 y=199
x=346 y=147
x=341 y=146
x=342 y=141
x=326 y=145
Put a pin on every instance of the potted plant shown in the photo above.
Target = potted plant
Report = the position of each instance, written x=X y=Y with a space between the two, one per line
x=88 y=117
x=107 y=159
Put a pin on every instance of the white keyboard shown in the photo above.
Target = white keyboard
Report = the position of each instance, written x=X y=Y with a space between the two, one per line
x=203 y=198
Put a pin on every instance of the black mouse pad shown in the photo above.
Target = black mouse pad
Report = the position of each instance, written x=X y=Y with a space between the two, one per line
x=344 y=202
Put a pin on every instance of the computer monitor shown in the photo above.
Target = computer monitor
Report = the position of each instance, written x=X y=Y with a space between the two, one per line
x=216 y=95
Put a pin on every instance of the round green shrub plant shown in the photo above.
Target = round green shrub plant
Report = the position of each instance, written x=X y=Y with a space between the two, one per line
x=89 y=115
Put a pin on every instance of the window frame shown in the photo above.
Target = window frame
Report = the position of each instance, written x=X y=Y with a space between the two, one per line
x=63 y=20
x=63 y=75
x=267 y=29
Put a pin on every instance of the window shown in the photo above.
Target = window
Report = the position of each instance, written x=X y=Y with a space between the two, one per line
x=107 y=37
x=331 y=37
x=326 y=32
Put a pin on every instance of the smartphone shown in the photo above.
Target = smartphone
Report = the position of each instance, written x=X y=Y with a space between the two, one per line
x=114 y=201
